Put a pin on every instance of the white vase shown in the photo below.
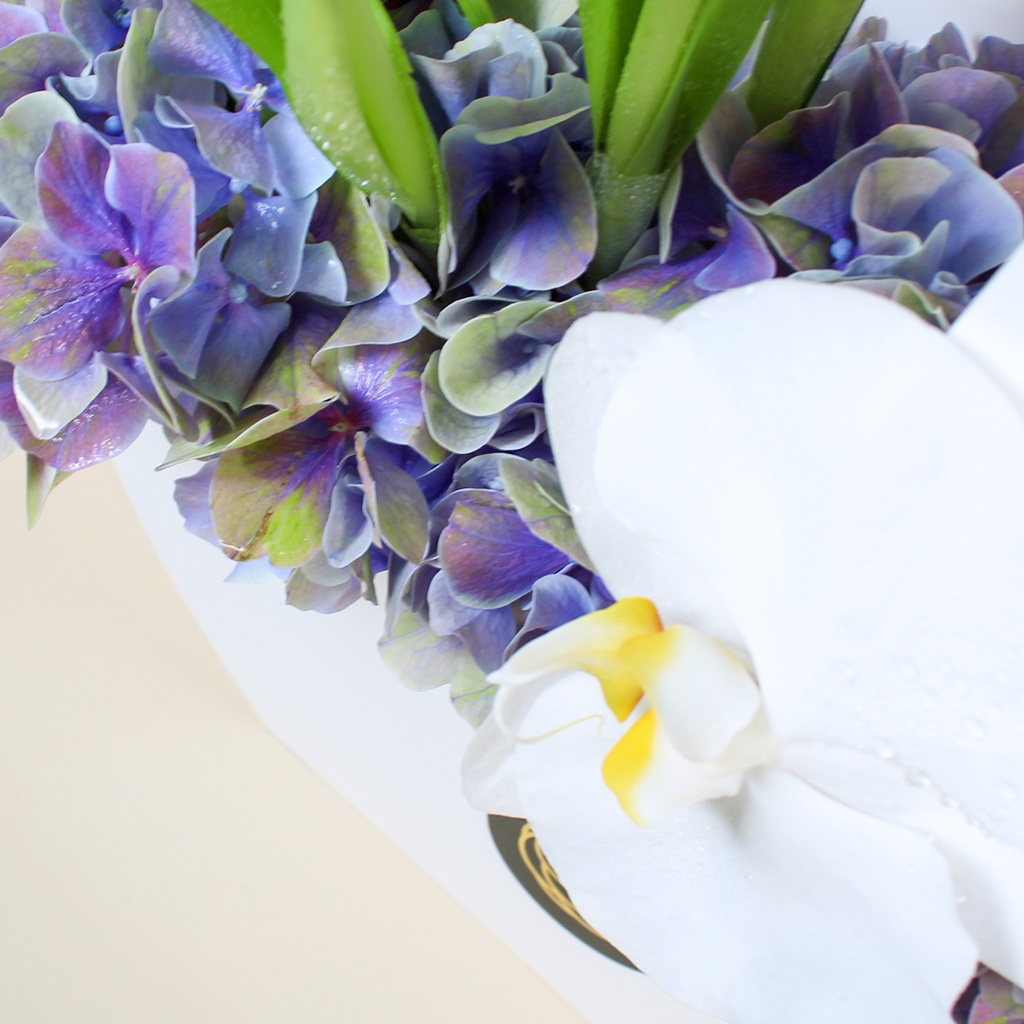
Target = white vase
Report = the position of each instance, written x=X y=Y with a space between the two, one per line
x=317 y=683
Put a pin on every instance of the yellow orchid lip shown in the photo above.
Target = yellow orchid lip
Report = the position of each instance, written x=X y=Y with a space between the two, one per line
x=699 y=724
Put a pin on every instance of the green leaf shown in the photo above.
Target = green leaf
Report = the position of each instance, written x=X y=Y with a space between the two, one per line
x=608 y=27
x=256 y=22
x=477 y=12
x=802 y=38
x=681 y=58
x=534 y=14
x=351 y=85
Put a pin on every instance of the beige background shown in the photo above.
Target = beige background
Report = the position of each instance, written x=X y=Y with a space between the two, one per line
x=162 y=857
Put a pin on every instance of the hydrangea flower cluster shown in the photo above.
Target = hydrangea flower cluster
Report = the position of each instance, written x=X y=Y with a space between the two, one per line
x=175 y=248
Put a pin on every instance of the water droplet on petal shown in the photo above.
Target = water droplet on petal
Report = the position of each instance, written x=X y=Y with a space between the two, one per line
x=1006 y=791
x=974 y=728
x=884 y=748
x=958 y=683
x=907 y=669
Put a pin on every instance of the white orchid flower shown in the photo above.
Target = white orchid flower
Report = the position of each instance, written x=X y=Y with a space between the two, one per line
x=822 y=499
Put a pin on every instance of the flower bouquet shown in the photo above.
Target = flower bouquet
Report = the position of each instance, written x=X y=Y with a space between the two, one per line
x=649 y=365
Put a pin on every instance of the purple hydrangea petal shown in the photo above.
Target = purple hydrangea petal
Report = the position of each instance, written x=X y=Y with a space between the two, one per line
x=233 y=142
x=742 y=258
x=519 y=427
x=9 y=411
x=70 y=174
x=56 y=307
x=348 y=532
x=154 y=191
x=192 y=496
x=395 y=502
x=50 y=405
x=182 y=323
x=892 y=191
x=17 y=21
x=272 y=498
x=268 y=243
x=454 y=429
x=212 y=188
x=239 y=341
x=28 y=62
x=490 y=556
x=98 y=25
x=420 y=658
x=407 y=284
x=188 y=41
x=554 y=601
x=1001 y=56
x=488 y=635
x=489 y=363
x=980 y=96
x=985 y=223
x=998 y=1001
x=322 y=274
x=791 y=152
x=381 y=386
x=289 y=381
x=343 y=218
x=106 y=429
x=301 y=167
x=1013 y=182
x=314 y=588
x=556 y=232
x=662 y=289
x=381 y=321
x=455 y=83
x=876 y=102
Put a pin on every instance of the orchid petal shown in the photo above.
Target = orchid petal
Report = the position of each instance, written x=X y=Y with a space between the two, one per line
x=824 y=536
x=600 y=354
x=731 y=905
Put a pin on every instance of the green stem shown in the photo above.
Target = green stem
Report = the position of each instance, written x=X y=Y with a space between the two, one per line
x=625 y=205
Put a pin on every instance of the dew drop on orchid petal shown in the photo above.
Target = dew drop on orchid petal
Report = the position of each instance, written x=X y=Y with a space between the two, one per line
x=884 y=748
x=907 y=669
x=974 y=728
